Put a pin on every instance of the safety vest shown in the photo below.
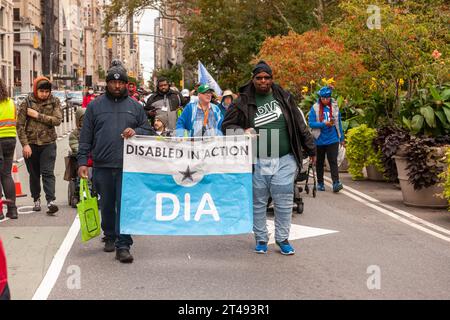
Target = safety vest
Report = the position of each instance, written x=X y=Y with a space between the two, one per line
x=7 y=119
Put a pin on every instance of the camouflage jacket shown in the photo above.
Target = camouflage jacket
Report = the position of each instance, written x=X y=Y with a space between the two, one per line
x=74 y=141
x=38 y=131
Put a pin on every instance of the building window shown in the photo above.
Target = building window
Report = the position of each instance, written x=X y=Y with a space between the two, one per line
x=16 y=35
x=2 y=46
x=2 y=13
x=17 y=69
x=16 y=14
x=17 y=65
x=4 y=73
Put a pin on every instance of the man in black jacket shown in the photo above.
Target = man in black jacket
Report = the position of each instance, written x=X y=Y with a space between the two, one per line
x=109 y=119
x=165 y=102
x=265 y=109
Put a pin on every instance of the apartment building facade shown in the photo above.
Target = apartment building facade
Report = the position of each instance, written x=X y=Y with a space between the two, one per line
x=6 y=43
x=51 y=38
x=27 y=44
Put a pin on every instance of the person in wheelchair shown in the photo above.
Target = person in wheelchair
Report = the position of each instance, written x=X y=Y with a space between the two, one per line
x=72 y=163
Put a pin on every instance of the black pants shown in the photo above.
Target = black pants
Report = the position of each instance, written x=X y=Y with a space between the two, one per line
x=331 y=151
x=7 y=147
x=42 y=162
x=5 y=295
x=108 y=184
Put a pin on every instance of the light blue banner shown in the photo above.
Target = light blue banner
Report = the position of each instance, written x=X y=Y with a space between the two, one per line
x=166 y=192
x=186 y=211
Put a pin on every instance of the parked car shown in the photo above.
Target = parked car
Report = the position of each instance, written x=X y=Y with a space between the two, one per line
x=61 y=95
x=75 y=98
x=4 y=289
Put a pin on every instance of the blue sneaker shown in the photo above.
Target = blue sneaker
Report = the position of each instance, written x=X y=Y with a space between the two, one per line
x=337 y=186
x=261 y=247
x=286 y=248
x=320 y=187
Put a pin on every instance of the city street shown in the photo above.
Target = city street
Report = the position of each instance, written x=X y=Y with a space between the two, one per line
x=362 y=243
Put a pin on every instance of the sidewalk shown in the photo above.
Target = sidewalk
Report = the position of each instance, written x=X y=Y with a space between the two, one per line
x=32 y=240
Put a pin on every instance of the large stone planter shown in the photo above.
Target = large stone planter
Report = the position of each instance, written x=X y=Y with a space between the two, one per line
x=425 y=197
x=373 y=174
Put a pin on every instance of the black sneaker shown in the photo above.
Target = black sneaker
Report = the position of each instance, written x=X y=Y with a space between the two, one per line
x=124 y=256
x=37 y=205
x=109 y=245
x=12 y=213
x=52 y=208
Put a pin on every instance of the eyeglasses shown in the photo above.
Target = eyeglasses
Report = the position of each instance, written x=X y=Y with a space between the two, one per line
x=263 y=78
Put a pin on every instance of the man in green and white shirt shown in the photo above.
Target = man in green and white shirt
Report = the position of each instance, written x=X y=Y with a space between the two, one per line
x=266 y=108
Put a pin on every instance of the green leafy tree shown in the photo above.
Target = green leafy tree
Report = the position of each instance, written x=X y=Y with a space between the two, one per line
x=407 y=51
x=226 y=34
x=101 y=72
x=173 y=74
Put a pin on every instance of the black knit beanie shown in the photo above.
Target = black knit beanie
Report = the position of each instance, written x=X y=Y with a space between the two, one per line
x=117 y=72
x=262 y=66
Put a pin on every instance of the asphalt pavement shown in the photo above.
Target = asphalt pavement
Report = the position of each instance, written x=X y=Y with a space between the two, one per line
x=377 y=249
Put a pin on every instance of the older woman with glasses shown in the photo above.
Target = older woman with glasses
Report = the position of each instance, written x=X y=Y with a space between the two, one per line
x=200 y=118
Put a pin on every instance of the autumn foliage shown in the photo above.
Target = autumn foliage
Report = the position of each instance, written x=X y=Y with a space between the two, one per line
x=296 y=59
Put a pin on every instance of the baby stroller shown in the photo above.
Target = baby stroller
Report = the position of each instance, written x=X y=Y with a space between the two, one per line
x=71 y=175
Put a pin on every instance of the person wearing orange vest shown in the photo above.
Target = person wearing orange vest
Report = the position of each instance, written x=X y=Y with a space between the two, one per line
x=8 y=135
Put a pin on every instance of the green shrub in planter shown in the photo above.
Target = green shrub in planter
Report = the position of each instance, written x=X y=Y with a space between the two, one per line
x=360 y=151
x=445 y=176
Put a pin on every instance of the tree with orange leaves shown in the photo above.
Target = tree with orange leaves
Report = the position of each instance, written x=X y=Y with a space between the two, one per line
x=298 y=59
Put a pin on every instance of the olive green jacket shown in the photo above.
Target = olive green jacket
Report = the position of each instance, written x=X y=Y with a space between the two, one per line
x=40 y=131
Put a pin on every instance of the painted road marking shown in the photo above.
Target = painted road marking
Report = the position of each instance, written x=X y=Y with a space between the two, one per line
x=403 y=213
x=19 y=211
x=298 y=231
x=390 y=213
x=55 y=268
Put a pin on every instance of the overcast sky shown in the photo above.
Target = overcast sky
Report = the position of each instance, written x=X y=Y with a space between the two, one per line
x=146 y=43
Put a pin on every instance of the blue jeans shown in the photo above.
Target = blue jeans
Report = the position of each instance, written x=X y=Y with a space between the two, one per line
x=108 y=184
x=274 y=177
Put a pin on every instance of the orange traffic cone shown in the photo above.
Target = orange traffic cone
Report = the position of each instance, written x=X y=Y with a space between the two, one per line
x=15 y=175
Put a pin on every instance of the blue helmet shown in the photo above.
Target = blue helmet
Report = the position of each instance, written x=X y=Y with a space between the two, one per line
x=325 y=92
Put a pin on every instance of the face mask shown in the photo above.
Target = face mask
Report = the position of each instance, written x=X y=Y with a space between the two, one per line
x=91 y=91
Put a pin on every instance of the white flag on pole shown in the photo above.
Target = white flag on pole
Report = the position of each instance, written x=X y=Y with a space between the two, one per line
x=205 y=78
